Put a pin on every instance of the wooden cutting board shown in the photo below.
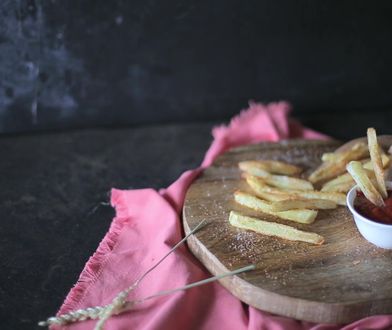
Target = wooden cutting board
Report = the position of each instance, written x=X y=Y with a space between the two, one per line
x=343 y=280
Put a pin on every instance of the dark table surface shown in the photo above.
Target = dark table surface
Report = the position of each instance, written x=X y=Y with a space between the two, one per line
x=52 y=219
x=54 y=187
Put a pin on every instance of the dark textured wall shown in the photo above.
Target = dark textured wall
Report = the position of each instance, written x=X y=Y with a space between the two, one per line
x=87 y=62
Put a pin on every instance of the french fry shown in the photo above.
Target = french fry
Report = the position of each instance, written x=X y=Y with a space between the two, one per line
x=328 y=156
x=375 y=156
x=250 y=201
x=264 y=191
x=339 y=188
x=260 y=187
x=359 y=150
x=253 y=202
x=345 y=186
x=343 y=179
x=385 y=162
x=280 y=181
x=271 y=166
x=284 y=202
x=360 y=177
x=295 y=203
x=272 y=197
x=343 y=183
x=331 y=169
x=336 y=197
x=286 y=182
x=273 y=229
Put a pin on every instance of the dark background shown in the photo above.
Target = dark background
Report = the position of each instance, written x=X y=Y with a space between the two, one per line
x=100 y=94
x=106 y=63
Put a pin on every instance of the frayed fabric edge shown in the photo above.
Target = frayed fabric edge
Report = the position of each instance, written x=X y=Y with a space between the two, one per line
x=248 y=113
x=93 y=266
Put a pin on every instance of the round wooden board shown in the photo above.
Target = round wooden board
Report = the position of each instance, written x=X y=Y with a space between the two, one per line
x=342 y=280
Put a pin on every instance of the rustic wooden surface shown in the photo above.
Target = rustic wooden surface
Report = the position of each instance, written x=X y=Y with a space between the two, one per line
x=345 y=279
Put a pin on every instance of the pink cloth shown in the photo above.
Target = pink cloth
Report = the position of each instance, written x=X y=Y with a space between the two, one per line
x=147 y=225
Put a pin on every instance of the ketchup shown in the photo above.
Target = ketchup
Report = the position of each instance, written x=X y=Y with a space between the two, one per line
x=379 y=214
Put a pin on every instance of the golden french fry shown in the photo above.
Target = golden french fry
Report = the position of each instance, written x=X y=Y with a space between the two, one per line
x=360 y=177
x=331 y=169
x=252 y=202
x=359 y=150
x=273 y=229
x=271 y=166
x=301 y=216
x=248 y=167
x=340 y=188
x=340 y=180
x=281 y=181
x=336 y=197
x=375 y=156
x=345 y=187
x=286 y=182
x=271 y=197
x=284 y=202
x=264 y=191
x=259 y=186
x=367 y=164
x=293 y=204
x=328 y=156
x=343 y=183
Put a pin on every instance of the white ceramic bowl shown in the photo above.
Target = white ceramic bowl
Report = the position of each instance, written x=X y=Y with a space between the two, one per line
x=377 y=233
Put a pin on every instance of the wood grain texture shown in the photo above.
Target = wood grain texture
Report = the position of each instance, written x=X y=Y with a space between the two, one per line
x=345 y=279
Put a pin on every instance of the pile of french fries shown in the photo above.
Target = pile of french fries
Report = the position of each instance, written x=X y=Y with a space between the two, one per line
x=371 y=180
x=277 y=190
x=354 y=166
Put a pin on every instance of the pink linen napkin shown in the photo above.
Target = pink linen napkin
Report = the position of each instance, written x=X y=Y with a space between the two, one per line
x=147 y=225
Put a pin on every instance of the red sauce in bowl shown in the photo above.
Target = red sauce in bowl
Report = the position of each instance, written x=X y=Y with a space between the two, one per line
x=376 y=213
